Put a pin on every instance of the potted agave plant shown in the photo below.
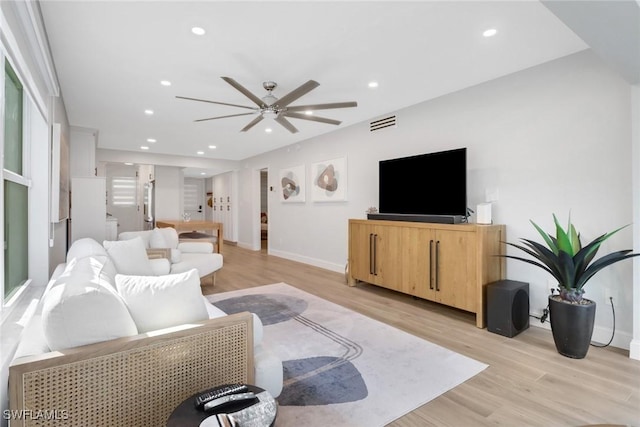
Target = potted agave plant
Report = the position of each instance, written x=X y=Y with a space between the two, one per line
x=572 y=265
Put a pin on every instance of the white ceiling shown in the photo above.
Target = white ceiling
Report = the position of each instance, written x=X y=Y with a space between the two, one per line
x=111 y=56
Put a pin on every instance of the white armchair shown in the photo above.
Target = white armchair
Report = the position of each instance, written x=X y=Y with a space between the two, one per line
x=183 y=256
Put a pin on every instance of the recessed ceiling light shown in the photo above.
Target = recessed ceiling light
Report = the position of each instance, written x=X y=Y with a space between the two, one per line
x=144 y=147
x=203 y=173
x=213 y=147
x=148 y=112
x=373 y=84
x=198 y=31
x=200 y=153
x=165 y=83
x=268 y=130
x=308 y=112
x=490 y=32
x=129 y=164
x=151 y=140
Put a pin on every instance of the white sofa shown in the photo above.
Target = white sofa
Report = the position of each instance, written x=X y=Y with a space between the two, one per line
x=183 y=255
x=91 y=318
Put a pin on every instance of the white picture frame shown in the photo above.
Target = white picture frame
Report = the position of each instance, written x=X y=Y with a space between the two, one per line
x=329 y=180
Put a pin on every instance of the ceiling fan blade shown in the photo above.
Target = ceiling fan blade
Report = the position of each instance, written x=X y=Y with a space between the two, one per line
x=223 y=117
x=312 y=118
x=323 y=106
x=216 y=102
x=244 y=91
x=252 y=123
x=286 y=123
x=297 y=93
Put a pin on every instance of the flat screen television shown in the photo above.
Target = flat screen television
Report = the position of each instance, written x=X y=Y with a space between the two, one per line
x=432 y=184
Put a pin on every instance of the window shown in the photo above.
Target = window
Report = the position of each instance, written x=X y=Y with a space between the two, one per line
x=123 y=191
x=15 y=187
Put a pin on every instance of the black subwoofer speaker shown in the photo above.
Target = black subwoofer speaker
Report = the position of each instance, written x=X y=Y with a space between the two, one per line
x=507 y=307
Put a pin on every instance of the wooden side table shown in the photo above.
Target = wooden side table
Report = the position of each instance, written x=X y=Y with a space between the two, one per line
x=261 y=414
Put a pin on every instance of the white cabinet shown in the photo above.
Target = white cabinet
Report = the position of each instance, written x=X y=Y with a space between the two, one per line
x=88 y=208
x=224 y=204
x=82 y=153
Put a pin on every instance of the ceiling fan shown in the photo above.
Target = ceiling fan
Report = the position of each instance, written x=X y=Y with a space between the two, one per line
x=277 y=109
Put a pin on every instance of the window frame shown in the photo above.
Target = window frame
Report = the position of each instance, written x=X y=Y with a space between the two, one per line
x=7 y=175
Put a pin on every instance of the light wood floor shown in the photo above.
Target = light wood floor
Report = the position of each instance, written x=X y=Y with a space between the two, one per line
x=527 y=382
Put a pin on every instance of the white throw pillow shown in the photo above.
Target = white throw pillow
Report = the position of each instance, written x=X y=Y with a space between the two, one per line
x=129 y=256
x=163 y=301
x=166 y=237
x=79 y=311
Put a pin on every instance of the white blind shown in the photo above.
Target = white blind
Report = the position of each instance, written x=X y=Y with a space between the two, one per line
x=123 y=191
x=191 y=196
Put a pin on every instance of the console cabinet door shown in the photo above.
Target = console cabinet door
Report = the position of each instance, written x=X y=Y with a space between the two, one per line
x=416 y=262
x=375 y=254
x=387 y=257
x=361 y=252
x=455 y=269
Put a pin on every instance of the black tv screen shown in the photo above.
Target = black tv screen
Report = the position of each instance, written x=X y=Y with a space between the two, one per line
x=426 y=184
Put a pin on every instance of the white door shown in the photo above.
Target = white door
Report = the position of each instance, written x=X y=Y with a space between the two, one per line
x=194 y=198
x=122 y=196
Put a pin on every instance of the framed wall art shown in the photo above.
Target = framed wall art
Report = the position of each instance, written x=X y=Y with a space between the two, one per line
x=329 y=180
x=292 y=184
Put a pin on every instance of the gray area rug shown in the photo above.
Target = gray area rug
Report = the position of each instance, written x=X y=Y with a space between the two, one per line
x=342 y=368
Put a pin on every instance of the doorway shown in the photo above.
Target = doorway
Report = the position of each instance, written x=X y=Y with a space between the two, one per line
x=194 y=198
x=264 y=210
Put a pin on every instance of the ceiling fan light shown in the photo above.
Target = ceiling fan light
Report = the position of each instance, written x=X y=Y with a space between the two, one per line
x=269 y=114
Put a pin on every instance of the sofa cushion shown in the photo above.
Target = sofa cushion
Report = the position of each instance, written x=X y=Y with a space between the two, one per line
x=204 y=263
x=163 y=301
x=98 y=268
x=79 y=310
x=85 y=247
x=145 y=235
x=196 y=247
x=160 y=266
x=129 y=256
x=166 y=237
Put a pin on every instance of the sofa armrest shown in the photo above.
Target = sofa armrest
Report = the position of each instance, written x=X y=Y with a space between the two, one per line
x=134 y=380
x=196 y=247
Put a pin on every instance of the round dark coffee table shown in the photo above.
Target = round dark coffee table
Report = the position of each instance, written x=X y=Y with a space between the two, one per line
x=261 y=414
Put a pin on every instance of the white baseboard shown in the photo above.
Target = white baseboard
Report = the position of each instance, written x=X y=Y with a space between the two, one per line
x=601 y=335
x=308 y=260
x=297 y=257
x=634 y=349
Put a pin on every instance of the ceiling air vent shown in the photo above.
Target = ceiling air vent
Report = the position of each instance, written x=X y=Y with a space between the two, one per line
x=386 y=122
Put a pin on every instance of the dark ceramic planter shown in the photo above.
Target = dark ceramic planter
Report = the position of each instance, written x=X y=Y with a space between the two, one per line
x=572 y=326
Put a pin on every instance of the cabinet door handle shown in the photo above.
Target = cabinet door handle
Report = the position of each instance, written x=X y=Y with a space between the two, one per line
x=375 y=254
x=437 y=263
x=430 y=264
x=370 y=253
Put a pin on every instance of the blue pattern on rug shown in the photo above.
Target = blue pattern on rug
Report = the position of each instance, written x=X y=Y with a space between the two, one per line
x=271 y=309
x=340 y=384
x=320 y=380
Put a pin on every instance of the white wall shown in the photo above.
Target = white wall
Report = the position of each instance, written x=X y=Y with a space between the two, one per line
x=169 y=182
x=635 y=159
x=551 y=139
